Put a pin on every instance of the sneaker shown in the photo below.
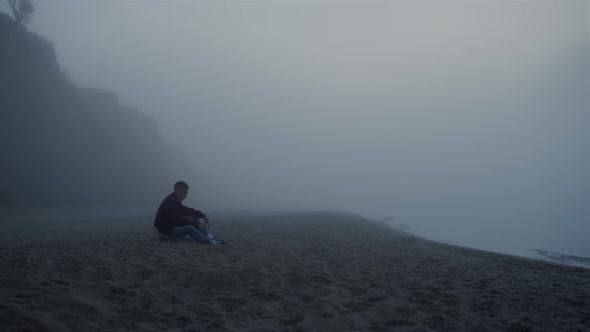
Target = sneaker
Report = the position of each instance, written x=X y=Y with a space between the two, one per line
x=216 y=242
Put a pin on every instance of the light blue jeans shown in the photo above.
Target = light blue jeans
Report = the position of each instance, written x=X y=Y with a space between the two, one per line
x=197 y=234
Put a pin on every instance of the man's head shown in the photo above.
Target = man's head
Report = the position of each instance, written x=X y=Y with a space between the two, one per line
x=181 y=190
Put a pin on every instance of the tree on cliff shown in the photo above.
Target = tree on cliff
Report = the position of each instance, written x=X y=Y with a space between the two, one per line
x=22 y=10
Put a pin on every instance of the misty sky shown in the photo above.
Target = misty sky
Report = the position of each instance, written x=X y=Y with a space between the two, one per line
x=427 y=111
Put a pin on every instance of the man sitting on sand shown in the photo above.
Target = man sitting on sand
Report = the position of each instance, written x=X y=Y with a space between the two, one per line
x=176 y=220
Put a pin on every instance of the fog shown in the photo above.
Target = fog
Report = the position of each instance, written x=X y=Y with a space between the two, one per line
x=466 y=120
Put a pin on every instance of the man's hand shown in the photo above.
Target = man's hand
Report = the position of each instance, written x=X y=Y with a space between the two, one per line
x=205 y=223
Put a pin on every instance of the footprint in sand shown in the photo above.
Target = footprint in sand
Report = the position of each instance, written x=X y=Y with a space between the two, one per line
x=406 y=311
x=79 y=308
x=262 y=329
x=320 y=280
x=292 y=320
x=308 y=298
x=182 y=321
x=266 y=296
x=27 y=296
x=356 y=291
x=144 y=275
x=398 y=322
x=439 y=322
x=230 y=304
x=40 y=307
x=294 y=278
x=55 y=282
x=373 y=298
x=325 y=314
x=33 y=324
x=357 y=306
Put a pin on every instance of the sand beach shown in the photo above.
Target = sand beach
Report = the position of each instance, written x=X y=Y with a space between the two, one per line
x=297 y=271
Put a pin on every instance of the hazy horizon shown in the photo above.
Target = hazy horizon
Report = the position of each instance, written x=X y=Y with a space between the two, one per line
x=449 y=116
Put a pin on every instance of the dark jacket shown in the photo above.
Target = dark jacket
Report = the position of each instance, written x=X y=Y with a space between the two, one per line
x=172 y=213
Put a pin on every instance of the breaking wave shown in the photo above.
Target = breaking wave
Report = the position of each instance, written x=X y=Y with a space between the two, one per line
x=564 y=259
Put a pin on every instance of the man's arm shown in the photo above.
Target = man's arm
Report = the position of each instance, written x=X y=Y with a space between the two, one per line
x=175 y=215
x=186 y=211
x=198 y=214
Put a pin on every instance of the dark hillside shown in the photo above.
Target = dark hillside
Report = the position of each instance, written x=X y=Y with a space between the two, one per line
x=61 y=144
